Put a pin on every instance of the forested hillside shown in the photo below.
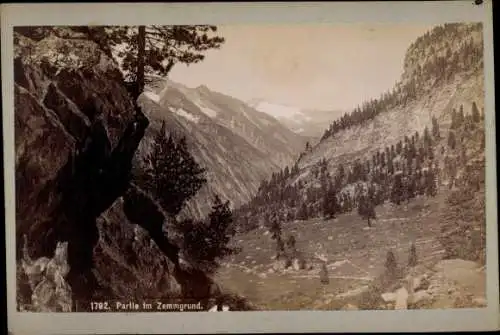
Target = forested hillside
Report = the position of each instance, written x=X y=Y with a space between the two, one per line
x=411 y=142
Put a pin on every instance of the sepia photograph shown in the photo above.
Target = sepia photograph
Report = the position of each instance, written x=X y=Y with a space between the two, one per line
x=320 y=166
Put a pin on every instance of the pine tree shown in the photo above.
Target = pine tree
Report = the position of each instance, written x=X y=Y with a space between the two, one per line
x=430 y=153
x=171 y=172
x=366 y=209
x=323 y=275
x=454 y=121
x=206 y=243
x=452 y=142
x=291 y=245
x=399 y=148
x=391 y=265
x=427 y=139
x=397 y=190
x=435 y=128
x=156 y=49
x=412 y=258
x=476 y=116
x=430 y=183
x=330 y=204
x=460 y=116
x=340 y=176
x=303 y=213
x=276 y=232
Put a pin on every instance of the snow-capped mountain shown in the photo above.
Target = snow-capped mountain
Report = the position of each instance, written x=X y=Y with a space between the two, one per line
x=307 y=122
x=238 y=145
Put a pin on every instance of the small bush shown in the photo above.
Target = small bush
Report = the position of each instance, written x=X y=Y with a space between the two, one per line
x=323 y=275
x=412 y=258
x=391 y=265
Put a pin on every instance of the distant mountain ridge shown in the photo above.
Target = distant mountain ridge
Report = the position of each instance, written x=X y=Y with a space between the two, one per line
x=307 y=122
x=238 y=145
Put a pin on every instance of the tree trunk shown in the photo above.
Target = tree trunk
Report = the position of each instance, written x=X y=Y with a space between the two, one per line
x=141 y=52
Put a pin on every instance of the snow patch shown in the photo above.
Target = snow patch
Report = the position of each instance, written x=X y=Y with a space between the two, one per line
x=276 y=110
x=152 y=96
x=186 y=115
x=208 y=111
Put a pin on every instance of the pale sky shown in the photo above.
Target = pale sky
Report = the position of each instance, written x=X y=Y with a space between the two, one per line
x=308 y=66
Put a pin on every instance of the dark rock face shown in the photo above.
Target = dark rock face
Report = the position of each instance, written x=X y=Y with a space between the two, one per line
x=76 y=132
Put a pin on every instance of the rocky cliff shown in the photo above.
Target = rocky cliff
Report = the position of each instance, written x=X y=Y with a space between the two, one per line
x=76 y=132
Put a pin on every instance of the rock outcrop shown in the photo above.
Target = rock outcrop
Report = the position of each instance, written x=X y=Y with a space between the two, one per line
x=452 y=283
x=46 y=279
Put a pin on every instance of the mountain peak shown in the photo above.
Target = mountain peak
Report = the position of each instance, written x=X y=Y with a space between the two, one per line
x=203 y=89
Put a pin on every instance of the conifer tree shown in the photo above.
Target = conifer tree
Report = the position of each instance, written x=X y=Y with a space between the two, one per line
x=206 y=243
x=399 y=148
x=430 y=183
x=476 y=116
x=397 y=190
x=156 y=49
x=171 y=172
x=412 y=258
x=452 y=141
x=460 y=116
x=435 y=128
x=391 y=265
x=291 y=245
x=454 y=119
x=276 y=234
x=323 y=275
x=330 y=204
x=303 y=212
x=427 y=139
x=366 y=209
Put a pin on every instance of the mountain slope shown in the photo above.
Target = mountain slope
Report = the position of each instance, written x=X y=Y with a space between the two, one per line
x=238 y=145
x=437 y=79
x=388 y=128
x=442 y=70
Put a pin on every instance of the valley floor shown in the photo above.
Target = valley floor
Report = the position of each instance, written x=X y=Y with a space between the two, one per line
x=355 y=256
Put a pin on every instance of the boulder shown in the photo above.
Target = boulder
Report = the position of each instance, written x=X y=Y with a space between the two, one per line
x=279 y=265
x=480 y=302
x=350 y=307
x=49 y=290
x=420 y=296
x=401 y=299
x=353 y=293
x=389 y=296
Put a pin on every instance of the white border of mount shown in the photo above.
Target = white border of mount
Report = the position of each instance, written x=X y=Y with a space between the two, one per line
x=436 y=12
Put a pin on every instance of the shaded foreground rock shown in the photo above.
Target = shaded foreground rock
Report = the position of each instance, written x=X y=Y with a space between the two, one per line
x=47 y=288
x=76 y=133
